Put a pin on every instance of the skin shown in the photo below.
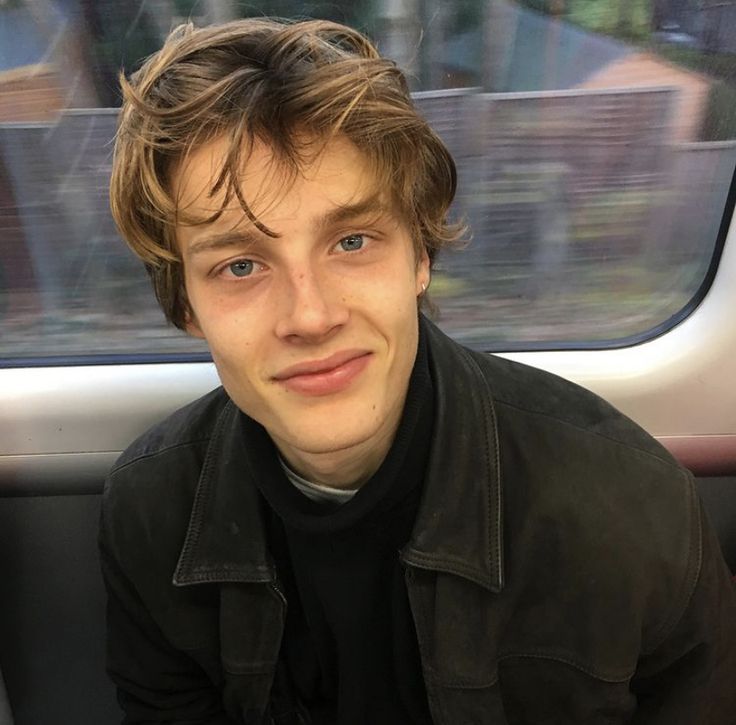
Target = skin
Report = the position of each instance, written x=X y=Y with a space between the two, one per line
x=336 y=291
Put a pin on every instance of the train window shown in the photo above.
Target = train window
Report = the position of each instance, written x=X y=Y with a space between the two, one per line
x=595 y=143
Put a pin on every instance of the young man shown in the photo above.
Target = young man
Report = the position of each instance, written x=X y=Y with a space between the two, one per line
x=369 y=523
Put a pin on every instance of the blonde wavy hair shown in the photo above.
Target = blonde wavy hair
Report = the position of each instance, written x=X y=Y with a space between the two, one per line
x=280 y=83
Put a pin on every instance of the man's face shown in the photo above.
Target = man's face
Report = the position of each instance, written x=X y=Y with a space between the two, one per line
x=314 y=333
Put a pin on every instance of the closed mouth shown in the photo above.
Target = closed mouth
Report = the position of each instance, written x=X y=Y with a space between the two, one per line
x=317 y=367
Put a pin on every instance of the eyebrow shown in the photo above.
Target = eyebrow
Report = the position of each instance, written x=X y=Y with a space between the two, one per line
x=371 y=205
x=244 y=238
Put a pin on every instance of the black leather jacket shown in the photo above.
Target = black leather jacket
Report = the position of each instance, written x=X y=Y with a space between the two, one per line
x=560 y=569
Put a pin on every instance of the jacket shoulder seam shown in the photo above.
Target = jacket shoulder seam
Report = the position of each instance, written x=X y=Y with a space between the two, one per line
x=597 y=434
x=152 y=454
x=693 y=569
x=570 y=662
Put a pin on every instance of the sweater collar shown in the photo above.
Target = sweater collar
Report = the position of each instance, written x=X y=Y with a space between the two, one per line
x=458 y=529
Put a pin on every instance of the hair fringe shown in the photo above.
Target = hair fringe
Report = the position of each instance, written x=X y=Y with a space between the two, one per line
x=292 y=85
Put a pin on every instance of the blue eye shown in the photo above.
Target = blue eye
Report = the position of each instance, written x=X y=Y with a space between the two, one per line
x=241 y=268
x=352 y=243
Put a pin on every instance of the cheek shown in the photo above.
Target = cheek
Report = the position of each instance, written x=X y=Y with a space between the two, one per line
x=237 y=345
x=240 y=380
x=223 y=318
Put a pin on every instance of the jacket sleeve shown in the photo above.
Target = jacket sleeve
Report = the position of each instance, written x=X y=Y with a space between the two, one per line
x=156 y=683
x=690 y=677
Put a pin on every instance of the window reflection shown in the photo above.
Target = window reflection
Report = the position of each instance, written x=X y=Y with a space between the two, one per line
x=594 y=142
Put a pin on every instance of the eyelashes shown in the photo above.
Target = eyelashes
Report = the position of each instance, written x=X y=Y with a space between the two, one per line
x=245 y=267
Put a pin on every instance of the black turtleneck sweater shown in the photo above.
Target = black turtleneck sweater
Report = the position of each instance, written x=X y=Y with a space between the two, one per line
x=350 y=650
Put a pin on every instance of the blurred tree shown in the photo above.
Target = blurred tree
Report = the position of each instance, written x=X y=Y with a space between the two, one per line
x=357 y=13
x=67 y=48
x=670 y=11
x=625 y=19
x=496 y=39
x=659 y=13
x=121 y=36
x=435 y=15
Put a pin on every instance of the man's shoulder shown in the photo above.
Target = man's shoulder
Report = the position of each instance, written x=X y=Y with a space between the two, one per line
x=537 y=412
x=542 y=400
x=567 y=454
x=596 y=506
x=189 y=426
x=152 y=484
x=163 y=465
x=584 y=482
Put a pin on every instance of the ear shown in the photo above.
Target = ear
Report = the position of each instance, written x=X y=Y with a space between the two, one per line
x=191 y=325
x=423 y=275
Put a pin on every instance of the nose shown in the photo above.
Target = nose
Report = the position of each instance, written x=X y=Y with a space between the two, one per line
x=312 y=309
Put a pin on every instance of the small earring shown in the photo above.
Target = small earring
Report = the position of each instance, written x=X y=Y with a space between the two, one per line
x=424 y=288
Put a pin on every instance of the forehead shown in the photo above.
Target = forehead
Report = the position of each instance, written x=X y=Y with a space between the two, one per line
x=334 y=173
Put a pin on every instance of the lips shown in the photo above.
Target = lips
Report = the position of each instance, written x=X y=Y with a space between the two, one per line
x=326 y=376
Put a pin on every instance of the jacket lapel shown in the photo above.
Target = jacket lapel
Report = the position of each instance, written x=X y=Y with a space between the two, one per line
x=226 y=538
x=459 y=527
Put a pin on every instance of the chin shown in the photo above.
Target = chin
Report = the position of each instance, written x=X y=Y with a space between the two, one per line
x=316 y=444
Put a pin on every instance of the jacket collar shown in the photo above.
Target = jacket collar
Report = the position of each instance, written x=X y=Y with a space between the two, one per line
x=226 y=537
x=459 y=526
